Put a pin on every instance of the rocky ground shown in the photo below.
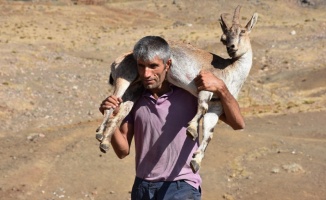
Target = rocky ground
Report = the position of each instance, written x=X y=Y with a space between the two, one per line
x=54 y=66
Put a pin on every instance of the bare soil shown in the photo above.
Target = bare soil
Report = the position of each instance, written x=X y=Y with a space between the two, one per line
x=54 y=67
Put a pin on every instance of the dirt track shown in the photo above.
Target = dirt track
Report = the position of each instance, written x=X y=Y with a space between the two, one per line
x=54 y=69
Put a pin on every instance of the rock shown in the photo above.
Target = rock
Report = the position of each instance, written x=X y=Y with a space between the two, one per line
x=293 y=168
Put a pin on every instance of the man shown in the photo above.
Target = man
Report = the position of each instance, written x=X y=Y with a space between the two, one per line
x=158 y=122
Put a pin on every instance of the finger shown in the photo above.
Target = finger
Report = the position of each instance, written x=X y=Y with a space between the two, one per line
x=113 y=101
x=107 y=105
x=120 y=100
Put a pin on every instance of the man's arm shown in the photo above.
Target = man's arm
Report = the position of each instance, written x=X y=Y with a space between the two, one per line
x=122 y=137
x=232 y=115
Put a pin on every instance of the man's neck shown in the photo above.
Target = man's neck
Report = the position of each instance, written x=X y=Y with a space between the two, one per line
x=163 y=89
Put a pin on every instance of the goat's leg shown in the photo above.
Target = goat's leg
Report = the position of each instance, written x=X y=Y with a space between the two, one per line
x=203 y=99
x=113 y=123
x=192 y=129
x=106 y=136
x=100 y=130
x=120 y=88
x=210 y=119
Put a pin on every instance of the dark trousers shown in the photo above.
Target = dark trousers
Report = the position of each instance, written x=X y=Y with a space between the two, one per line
x=171 y=190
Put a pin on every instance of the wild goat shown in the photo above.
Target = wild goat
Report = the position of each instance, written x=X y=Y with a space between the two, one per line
x=187 y=61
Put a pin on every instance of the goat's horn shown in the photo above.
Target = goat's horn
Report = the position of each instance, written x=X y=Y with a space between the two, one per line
x=223 y=19
x=236 y=16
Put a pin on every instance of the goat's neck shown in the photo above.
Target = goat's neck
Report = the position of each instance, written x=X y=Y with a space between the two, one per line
x=244 y=62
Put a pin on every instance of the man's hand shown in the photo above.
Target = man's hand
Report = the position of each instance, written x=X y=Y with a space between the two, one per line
x=208 y=81
x=111 y=102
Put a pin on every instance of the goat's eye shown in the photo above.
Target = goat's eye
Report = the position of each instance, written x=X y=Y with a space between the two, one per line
x=243 y=31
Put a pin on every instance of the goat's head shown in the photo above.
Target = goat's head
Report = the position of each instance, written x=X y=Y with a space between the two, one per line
x=235 y=37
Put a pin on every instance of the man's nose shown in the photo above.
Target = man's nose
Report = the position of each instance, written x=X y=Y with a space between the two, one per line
x=147 y=72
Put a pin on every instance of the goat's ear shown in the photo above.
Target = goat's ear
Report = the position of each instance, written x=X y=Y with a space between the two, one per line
x=223 y=39
x=252 y=22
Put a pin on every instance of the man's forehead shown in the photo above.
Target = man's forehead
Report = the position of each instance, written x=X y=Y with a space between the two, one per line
x=155 y=60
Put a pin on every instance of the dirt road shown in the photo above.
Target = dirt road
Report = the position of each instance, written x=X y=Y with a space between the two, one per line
x=54 y=70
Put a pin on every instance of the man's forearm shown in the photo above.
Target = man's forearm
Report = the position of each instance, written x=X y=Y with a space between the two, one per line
x=232 y=115
x=120 y=142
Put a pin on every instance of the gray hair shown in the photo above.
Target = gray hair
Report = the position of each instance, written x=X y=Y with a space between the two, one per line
x=149 y=47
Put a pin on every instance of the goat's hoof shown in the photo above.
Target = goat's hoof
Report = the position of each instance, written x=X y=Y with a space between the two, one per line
x=98 y=129
x=104 y=148
x=194 y=166
x=192 y=133
x=99 y=137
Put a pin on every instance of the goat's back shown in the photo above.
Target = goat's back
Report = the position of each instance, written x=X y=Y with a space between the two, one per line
x=187 y=61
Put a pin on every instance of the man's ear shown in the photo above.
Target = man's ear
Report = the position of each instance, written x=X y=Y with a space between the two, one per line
x=168 y=64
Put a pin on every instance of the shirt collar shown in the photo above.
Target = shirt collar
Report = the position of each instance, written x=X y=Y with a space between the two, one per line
x=147 y=93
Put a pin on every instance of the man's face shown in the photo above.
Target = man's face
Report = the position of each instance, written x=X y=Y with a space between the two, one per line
x=153 y=72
